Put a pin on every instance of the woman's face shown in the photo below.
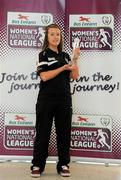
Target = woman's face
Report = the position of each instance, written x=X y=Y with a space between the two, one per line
x=54 y=37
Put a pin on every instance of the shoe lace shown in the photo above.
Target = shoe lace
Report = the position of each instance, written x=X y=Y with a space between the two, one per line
x=65 y=167
x=35 y=168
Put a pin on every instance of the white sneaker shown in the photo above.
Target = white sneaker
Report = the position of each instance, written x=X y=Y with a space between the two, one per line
x=65 y=171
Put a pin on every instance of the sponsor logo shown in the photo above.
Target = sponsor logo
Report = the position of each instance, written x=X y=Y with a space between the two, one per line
x=26 y=30
x=45 y=19
x=19 y=118
x=91 y=133
x=20 y=16
x=105 y=121
x=107 y=20
x=19 y=132
x=92 y=32
x=82 y=119
x=86 y=19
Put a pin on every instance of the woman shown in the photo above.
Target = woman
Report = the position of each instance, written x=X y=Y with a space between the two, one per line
x=54 y=101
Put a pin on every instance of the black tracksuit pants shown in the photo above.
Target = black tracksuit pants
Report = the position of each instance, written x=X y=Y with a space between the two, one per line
x=48 y=109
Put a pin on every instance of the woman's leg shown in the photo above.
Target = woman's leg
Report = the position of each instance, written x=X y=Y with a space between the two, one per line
x=44 y=119
x=63 y=119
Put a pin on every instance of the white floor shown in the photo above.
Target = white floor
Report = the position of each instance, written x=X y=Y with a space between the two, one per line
x=21 y=171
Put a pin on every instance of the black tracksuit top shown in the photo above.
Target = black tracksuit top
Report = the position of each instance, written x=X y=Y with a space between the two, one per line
x=50 y=60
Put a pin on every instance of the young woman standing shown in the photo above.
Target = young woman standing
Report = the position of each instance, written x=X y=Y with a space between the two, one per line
x=54 y=101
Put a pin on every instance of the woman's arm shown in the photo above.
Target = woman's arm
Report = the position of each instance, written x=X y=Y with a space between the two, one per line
x=47 y=75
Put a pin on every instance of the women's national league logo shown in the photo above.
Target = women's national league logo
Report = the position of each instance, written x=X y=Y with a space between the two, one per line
x=26 y=30
x=19 y=131
x=92 y=32
x=91 y=133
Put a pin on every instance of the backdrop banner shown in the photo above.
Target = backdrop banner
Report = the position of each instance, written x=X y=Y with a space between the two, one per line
x=22 y=32
x=96 y=128
x=95 y=27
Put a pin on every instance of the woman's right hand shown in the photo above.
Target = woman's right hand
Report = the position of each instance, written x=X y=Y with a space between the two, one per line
x=69 y=67
x=66 y=67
